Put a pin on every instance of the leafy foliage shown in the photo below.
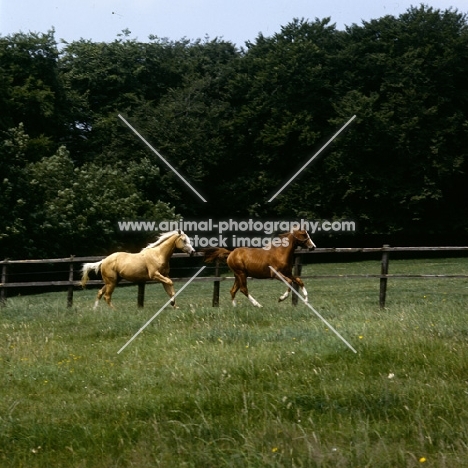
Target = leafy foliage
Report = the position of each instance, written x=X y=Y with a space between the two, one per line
x=63 y=207
x=237 y=124
x=86 y=202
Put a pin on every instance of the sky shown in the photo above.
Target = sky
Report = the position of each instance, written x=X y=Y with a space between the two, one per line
x=236 y=21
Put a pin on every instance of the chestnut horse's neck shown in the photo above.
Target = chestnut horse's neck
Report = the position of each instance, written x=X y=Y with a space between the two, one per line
x=287 y=251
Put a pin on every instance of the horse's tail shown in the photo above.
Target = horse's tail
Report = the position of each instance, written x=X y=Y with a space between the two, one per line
x=216 y=253
x=86 y=269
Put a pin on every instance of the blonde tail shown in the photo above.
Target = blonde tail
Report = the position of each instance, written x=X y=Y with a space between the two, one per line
x=85 y=271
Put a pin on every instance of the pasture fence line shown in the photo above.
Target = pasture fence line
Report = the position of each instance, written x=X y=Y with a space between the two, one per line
x=70 y=284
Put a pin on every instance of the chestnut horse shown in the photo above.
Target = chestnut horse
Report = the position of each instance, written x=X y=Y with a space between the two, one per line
x=255 y=262
x=151 y=264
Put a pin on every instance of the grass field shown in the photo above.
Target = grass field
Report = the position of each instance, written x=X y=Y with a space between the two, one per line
x=244 y=387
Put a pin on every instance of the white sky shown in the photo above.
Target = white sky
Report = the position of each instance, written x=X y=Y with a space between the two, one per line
x=236 y=21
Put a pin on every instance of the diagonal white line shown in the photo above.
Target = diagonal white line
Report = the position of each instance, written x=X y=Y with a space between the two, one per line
x=313 y=310
x=160 y=310
x=160 y=157
x=312 y=158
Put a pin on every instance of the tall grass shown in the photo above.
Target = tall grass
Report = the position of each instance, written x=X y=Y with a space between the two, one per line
x=244 y=387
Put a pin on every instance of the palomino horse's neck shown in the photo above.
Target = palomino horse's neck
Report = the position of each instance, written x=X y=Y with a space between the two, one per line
x=166 y=248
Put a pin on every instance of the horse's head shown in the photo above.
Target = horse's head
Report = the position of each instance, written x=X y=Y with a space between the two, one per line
x=183 y=243
x=302 y=239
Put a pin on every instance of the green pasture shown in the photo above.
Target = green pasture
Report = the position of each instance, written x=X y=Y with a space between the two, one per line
x=243 y=387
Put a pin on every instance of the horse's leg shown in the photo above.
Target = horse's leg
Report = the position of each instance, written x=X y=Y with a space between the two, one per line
x=111 y=282
x=170 y=292
x=284 y=296
x=99 y=295
x=167 y=283
x=289 y=281
x=108 y=293
x=234 y=289
x=242 y=278
x=300 y=283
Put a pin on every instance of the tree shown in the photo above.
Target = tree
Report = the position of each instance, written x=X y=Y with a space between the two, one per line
x=187 y=126
x=13 y=191
x=104 y=79
x=403 y=168
x=237 y=125
x=31 y=92
x=281 y=99
x=80 y=204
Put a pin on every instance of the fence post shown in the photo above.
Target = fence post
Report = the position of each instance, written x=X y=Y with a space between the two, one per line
x=141 y=295
x=383 y=271
x=215 y=302
x=3 y=294
x=70 y=279
x=296 y=272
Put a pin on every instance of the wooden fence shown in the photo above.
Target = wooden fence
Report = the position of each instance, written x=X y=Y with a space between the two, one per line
x=70 y=284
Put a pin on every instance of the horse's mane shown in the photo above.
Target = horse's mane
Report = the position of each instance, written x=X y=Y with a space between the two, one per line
x=163 y=237
x=284 y=234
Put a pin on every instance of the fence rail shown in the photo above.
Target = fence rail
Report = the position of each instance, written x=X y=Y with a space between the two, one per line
x=71 y=283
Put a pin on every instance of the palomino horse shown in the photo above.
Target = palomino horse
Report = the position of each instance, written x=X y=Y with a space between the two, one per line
x=151 y=264
x=255 y=262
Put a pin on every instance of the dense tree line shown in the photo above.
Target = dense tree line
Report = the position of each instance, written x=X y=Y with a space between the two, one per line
x=237 y=123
